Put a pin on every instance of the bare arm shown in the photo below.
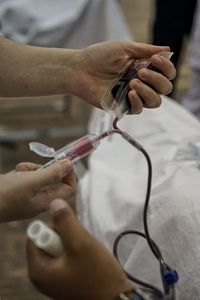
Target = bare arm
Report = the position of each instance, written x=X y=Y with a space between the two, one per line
x=87 y=73
x=34 y=71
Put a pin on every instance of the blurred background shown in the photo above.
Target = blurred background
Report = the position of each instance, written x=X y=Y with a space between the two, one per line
x=57 y=120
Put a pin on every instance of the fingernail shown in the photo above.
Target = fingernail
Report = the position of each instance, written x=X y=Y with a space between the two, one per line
x=157 y=59
x=57 y=205
x=138 y=82
x=144 y=73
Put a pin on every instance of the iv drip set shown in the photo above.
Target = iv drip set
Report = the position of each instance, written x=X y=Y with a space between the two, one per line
x=116 y=103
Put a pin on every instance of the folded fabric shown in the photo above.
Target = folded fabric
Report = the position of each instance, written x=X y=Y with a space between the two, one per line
x=68 y=23
x=113 y=191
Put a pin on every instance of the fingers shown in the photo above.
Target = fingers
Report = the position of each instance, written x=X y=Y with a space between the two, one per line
x=51 y=175
x=165 y=66
x=38 y=263
x=36 y=257
x=139 y=50
x=160 y=81
x=70 y=178
x=47 y=195
x=26 y=166
x=142 y=95
x=135 y=101
x=156 y=80
x=146 y=90
x=42 y=268
x=74 y=237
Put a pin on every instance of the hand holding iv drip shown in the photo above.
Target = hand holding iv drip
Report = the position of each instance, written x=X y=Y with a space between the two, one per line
x=115 y=102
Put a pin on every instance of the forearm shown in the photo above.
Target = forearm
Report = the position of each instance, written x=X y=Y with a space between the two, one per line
x=35 y=71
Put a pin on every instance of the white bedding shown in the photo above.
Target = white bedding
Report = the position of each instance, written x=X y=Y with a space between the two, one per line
x=113 y=191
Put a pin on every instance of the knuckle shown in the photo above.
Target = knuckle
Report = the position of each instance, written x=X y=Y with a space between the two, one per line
x=66 y=192
x=57 y=174
x=46 y=193
x=154 y=101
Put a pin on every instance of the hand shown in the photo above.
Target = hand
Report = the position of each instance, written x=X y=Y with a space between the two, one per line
x=25 y=193
x=100 y=64
x=85 y=271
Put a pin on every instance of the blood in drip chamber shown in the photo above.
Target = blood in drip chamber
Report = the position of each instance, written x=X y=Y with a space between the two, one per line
x=76 y=150
x=81 y=147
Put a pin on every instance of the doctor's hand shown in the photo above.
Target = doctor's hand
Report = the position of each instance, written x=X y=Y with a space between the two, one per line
x=25 y=192
x=87 y=73
x=101 y=63
x=85 y=271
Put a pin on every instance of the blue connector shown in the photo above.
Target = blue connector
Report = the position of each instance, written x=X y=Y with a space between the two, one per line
x=171 y=277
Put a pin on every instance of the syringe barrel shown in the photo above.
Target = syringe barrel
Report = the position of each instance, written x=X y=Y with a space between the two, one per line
x=77 y=149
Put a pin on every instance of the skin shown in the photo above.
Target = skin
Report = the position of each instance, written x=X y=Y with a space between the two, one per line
x=24 y=193
x=87 y=73
x=85 y=271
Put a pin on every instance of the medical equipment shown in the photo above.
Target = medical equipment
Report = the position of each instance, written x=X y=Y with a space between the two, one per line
x=169 y=276
x=74 y=151
x=84 y=146
x=117 y=104
x=45 y=238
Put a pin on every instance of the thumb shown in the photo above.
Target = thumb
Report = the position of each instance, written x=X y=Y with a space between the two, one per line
x=51 y=175
x=74 y=237
x=140 y=50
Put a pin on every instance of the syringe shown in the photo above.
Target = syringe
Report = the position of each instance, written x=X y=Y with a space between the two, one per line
x=81 y=147
x=74 y=151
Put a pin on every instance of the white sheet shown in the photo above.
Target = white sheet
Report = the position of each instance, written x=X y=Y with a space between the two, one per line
x=113 y=192
x=66 y=23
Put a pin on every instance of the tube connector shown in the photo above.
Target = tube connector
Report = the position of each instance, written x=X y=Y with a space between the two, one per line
x=131 y=141
x=45 y=238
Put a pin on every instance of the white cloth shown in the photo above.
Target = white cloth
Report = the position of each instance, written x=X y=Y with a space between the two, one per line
x=113 y=192
x=66 y=23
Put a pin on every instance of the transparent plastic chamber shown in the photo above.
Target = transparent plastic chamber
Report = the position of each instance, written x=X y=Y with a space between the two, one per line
x=73 y=151
x=115 y=101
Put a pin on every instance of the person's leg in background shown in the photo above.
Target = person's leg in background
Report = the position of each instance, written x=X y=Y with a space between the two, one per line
x=192 y=99
x=172 y=23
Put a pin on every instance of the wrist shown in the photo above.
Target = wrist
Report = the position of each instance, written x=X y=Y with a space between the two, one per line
x=71 y=70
